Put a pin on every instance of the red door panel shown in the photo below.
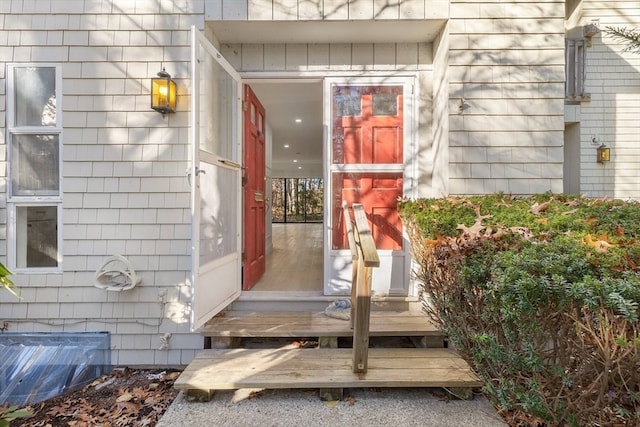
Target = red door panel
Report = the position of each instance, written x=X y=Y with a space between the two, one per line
x=253 y=190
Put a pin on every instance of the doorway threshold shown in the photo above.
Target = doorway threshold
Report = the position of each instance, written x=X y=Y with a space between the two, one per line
x=286 y=296
x=314 y=301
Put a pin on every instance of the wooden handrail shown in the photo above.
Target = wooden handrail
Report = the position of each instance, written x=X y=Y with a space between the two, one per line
x=348 y=225
x=366 y=243
x=365 y=258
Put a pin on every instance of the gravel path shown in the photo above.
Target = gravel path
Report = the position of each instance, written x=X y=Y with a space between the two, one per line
x=361 y=407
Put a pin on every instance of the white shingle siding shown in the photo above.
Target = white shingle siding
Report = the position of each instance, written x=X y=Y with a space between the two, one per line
x=612 y=80
x=509 y=70
x=116 y=153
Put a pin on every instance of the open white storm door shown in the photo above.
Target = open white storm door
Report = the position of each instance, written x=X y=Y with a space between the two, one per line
x=216 y=178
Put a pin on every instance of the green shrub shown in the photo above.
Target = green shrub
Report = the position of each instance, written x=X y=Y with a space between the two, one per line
x=5 y=282
x=541 y=295
x=9 y=413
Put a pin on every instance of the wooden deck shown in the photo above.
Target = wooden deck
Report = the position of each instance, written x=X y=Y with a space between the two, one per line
x=325 y=368
x=315 y=324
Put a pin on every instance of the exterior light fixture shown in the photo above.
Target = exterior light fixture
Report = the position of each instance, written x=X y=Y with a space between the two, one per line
x=163 y=93
x=603 y=154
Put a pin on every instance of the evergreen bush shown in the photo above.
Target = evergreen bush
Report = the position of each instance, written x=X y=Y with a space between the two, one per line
x=541 y=295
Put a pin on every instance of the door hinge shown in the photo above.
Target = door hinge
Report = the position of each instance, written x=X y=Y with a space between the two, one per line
x=245 y=106
x=244 y=181
x=244 y=256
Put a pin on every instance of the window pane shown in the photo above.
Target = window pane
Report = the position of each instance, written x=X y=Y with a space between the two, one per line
x=35 y=162
x=385 y=104
x=35 y=90
x=37 y=236
x=347 y=101
x=297 y=199
x=218 y=109
x=218 y=212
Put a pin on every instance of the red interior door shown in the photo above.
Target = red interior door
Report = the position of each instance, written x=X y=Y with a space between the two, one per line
x=368 y=133
x=253 y=190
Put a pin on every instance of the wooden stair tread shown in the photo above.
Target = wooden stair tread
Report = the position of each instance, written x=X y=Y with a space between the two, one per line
x=324 y=368
x=311 y=324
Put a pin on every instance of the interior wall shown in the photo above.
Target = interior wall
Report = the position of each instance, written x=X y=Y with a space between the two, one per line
x=269 y=176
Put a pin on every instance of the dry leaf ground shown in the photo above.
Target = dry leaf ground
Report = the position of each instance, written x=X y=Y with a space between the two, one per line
x=125 y=397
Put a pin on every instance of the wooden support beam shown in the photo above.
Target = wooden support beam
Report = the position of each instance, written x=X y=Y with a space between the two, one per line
x=362 y=316
x=333 y=393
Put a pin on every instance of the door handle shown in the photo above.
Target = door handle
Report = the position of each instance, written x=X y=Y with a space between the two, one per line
x=198 y=172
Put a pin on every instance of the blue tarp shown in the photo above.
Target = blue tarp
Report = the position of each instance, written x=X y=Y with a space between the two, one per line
x=37 y=366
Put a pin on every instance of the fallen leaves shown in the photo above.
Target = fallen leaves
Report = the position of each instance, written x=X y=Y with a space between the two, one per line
x=538 y=208
x=123 y=398
x=601 y=245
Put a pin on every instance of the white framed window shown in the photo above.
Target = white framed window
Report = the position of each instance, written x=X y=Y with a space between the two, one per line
x=34 y=175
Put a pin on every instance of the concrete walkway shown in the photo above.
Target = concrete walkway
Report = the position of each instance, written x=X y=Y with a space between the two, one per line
x=361 y=407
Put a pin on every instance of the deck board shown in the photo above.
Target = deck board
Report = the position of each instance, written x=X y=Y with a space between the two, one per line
x=324 y=368
x=311 y=324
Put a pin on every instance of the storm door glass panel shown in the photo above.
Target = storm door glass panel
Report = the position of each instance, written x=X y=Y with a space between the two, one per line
x=367 y=125
x=37 y=236
x=218 y=123
x=367 y=159
x=218 y=212
x=379 y=194
x=35 y=163
x=35 y=96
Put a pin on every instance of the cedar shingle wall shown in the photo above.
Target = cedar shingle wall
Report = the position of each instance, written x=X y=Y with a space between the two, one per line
x=124 y=185
x=613 y=80
x=507 y=63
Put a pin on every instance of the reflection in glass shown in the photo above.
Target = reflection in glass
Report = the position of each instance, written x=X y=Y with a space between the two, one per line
x=218 y=212
x=35 y=102
x=218 y=102
x=35 y=163
x=37 y=236
x=385 y=104
x=379 y=194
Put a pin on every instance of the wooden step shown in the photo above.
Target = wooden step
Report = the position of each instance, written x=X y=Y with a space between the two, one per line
x=324 y=368
x=315 y=324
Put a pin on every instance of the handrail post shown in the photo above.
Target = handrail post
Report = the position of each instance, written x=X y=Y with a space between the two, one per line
x=367 y=259
x=348 y=225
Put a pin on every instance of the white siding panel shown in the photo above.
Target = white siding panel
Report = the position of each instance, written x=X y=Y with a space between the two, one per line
x=336 y=9
x=284 y=10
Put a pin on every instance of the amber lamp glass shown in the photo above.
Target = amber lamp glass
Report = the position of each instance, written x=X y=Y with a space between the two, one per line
x=603 y=154
x=163 y=93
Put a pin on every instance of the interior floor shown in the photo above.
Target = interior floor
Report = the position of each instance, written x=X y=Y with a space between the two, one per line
x=295 y=263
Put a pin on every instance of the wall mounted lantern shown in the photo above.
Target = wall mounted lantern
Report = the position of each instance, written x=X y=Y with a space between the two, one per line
x=163 y=93
x=603 y=154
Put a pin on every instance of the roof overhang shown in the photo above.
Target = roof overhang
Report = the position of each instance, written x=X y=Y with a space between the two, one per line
x=378 y=31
